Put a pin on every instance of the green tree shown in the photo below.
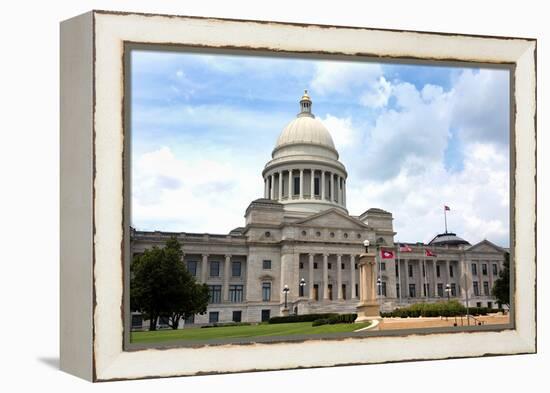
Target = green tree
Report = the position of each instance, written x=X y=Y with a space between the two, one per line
x=161 y=286
x=501 y=287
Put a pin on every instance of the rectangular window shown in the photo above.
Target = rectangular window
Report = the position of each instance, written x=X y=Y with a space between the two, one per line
x=451 y=271
x=266 y=314
x=301 y=265
x=344 y=291
x=355 y=266
x=266 y=264
x=453 y=289
x=478 y=304
x=214 y=269
x=236 y=293
x=266 y=291
x=495 y=269
x=343 y=267
x=426 y=289
x=190 y=320
x=297 y=185
x=237 y=316
x=410 y=270
x=316 y=291
x=486 y=288
x=329 y=266
x=192 y=267
x=397 y=289
x=215 y=293
x=213 y=316
x=437 y=271
x=236 y=269
x=440 y=290
x=412 y=290
x=301 y=291
x=316 y=186
x=315 y=265
x=356 y=289
x=484 y=269
x=476 y=288
x=474 y=269
x=383 y=287
x=383 y=266
x=397 y=270
x=330 y=291
x=423 y=270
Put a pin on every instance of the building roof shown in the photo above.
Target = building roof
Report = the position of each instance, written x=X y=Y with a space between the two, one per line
x=447 y=239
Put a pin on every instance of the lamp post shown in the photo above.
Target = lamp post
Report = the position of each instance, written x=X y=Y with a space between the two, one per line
x=448 y=290
x=366 y=243
x=285 y=291
x=302 y=285
x=379 y=285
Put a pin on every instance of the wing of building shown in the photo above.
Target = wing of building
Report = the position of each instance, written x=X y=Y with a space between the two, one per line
x=301 y=235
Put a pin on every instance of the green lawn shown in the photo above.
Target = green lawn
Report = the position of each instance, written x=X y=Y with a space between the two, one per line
x=264 y=330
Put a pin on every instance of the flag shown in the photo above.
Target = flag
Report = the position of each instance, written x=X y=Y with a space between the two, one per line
x=447 y=208
x=430 y=253
x=386 y=254
x=405 y=248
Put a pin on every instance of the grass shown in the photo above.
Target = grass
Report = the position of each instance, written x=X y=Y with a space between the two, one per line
x=226 y=332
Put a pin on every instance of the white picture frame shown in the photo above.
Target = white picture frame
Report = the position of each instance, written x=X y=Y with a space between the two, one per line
x=92 y=190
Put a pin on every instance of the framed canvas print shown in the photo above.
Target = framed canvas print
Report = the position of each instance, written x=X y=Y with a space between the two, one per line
x=248 y=195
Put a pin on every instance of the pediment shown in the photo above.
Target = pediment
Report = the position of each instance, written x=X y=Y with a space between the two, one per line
x=333 y=218
x=485 y=246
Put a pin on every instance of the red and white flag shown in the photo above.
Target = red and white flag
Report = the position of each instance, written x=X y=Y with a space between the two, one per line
x=447 y=208
x=430 y=253
x=405 y=248
x=386 y=254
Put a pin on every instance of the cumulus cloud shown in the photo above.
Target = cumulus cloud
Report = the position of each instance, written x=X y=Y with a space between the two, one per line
x=191 y=193
x=377 y=95
x=342 y=77
x=342 y=130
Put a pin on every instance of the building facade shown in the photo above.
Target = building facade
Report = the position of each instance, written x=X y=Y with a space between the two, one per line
x=301 y=235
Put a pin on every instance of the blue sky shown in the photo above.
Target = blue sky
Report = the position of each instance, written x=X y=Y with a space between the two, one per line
x=412 y=137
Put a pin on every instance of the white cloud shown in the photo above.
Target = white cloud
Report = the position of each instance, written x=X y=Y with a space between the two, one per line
x=342 y=77
x=378 y=95
x=208 y=194
x=342 y=131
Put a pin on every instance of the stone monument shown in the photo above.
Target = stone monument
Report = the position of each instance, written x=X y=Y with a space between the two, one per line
x=368 y=308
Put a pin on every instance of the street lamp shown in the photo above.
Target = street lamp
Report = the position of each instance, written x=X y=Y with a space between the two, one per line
x=448 y=290
x=302 y=285
x=285 y=291
x=379 y=285
x=366 y=243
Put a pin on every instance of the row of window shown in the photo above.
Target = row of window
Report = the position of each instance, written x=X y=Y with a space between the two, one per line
x=329 y=266
x=236 y=268
x=411 y=270
x=236 y=293
x=316 y=186
x=237 y=316
x=484 y=269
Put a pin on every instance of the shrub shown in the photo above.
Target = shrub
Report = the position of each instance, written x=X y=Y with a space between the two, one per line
x=440 y=309
x=334 y=319
x=322 y=321
x=300 y=318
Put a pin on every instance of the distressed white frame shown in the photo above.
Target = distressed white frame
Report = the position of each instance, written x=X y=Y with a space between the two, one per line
x=106 y=359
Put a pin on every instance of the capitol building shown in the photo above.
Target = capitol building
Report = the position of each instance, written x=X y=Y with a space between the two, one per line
x=300 y=235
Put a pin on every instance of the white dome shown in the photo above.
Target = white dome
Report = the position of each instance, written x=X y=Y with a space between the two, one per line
x=305 y=130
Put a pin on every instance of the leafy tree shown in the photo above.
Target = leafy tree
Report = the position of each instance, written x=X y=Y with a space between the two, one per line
x=501 y=287
x=161 y=286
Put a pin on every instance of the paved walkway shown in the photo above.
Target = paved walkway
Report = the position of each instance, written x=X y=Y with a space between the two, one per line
x=415 y=323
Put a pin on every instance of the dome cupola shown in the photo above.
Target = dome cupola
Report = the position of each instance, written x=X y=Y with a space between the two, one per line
x=304 y=173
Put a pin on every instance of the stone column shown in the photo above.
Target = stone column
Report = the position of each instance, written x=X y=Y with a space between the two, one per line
x=301 y=184
x=226 y=273
x=266 y=191
x=422 y=278
x=339 y=275
x=312 y=188
x=333 y=183
x=290 y=184
x=352 y=275
x=280 y=185
x=344 y=192
x=323 y=185
x=368 y=307
x=325 y=276
x=204 y=267
x=434 y=285
x=272 y=189
x=311 y=277
x=405 y=293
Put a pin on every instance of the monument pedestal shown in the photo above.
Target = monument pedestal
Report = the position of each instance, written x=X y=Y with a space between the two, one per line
x=368 y=311
x=368 y=308
x=284 y=312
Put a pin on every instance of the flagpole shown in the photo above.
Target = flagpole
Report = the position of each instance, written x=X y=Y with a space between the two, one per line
x=445 y=214
x=399 y=271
